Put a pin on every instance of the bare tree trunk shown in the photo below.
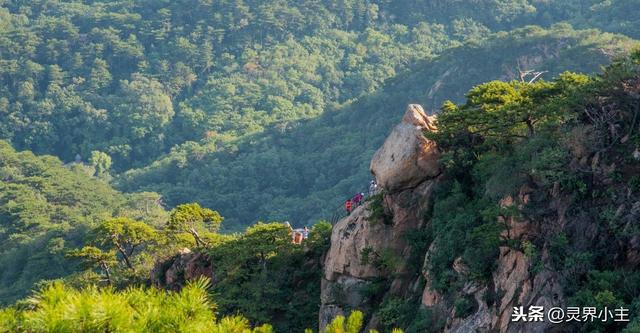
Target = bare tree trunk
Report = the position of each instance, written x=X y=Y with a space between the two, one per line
x=529 y=123
x=196 y=235
x=125 y=256
x=105 y=268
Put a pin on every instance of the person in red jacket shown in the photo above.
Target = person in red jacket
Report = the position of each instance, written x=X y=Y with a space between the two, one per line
x=347 y=206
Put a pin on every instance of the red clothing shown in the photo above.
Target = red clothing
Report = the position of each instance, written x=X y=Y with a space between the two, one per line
x=347 y=205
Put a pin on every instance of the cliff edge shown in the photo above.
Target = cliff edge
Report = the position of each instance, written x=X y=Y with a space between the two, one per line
x=369 y=247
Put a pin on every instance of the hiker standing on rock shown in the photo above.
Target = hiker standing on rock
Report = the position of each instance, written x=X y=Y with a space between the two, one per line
x=373 y=188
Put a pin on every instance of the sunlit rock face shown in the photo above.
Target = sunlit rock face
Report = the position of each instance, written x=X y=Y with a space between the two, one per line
x=406 y=168
x=407 y=157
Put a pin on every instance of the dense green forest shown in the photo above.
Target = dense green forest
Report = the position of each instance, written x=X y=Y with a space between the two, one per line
x=46 y=209
x=307 y=170
x=504 y=136
x=221 y=93
x=62 y=221
x=132 y=129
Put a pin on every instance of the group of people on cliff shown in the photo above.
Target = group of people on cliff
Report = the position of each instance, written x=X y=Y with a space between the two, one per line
x=358 y=198
x=300 y=234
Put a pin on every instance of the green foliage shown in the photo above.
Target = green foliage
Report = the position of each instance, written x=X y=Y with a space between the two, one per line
x=558 y=249
x=384 y=260
x=407 y=313
x=47 y=208
x=267 y=278
x=634 y=183
x=353 y=323
x=92 y=257
x=193 y=219
x=285 y=185
x=260 y=273
x=532 y=254
x=527 y=167
x=267 y=111
x=378 y=212
x=272 y=111
x=464 y=306
x=418 y=241
x=507 y=137
x=497 y=113
x=394 y=312
x=101 y=162
x=425 y=320
x=58 y=308
x=611 y=289
x=462 y=226
x=482 y=250
x=319 y=237
x=365 y=255
x=124 y=235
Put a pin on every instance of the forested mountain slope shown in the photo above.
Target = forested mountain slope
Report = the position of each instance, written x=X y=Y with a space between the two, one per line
x=303 y=173
x=148 y=80
x=47 y=209
x=525 y=193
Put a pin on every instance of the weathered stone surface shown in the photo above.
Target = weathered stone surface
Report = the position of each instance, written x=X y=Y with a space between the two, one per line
x=406 y=168
x=512 y=283
x=346 y=275
x=175 y=272
x=328 y=312
x=349 y=237
x=430 y=297
x=407 y=158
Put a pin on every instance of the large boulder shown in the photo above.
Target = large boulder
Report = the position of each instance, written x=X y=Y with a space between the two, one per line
x=407 y=157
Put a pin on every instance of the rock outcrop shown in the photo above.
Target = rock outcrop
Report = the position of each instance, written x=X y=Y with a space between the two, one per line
x=368 y=247
x=407 y=157
x=512 y=285
x=186 y=265
x=366 y=251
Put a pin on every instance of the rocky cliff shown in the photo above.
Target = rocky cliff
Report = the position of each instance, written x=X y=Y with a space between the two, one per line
x=554 y=242
x=369 y=247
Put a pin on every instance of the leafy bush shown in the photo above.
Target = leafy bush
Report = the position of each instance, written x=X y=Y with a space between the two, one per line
x=482 y=250
x=267 y=278
x=395 y=312
x=47 y=209
x=378 y=213
x=464 y=306
x=533 y=255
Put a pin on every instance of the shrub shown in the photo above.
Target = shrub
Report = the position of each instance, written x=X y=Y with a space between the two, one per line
x=464 y=306
x=394 y=312
x=482 y=250
x=377 y=210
